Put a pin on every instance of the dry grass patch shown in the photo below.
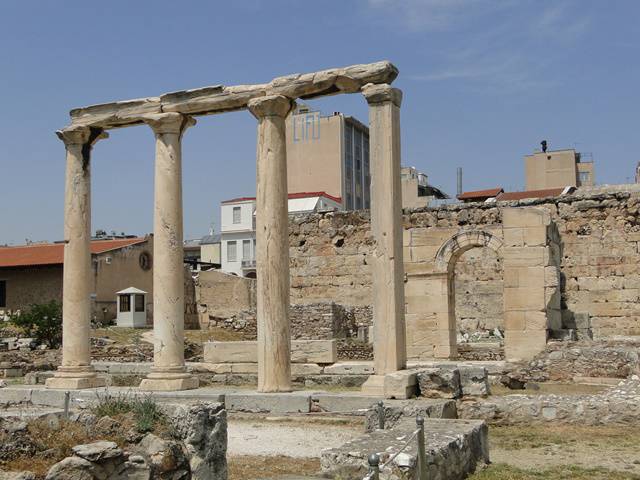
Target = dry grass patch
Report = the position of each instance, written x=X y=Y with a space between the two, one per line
x=537 y=436
x=568 y=472
x=254 y=467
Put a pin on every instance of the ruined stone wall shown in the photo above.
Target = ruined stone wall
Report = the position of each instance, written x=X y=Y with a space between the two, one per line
x=478 y=285
x=598 y=236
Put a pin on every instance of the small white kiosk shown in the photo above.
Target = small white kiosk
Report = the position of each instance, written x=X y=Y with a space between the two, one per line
x=132 y=308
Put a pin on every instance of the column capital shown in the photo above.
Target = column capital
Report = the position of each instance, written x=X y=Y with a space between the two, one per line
x=170 y=122
x=382 y=93
x=81 y=135
x=270 y=105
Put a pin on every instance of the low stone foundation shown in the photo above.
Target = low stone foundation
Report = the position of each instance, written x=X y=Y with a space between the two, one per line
x=454 y=448
x=619 y=405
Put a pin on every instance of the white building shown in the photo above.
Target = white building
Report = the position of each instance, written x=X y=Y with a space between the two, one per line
x=238 y=227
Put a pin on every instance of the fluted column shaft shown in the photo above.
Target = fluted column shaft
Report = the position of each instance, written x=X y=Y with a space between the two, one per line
x=386 y=226
x=272 y=243
x=76 y=370
x=168 y=371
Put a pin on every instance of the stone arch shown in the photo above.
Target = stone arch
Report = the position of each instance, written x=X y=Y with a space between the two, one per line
x=456 y=246
x=444 y=268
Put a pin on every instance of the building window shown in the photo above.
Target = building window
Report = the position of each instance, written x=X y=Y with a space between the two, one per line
x=232 y=251
x=3 y=293
x=246 y=249
x=254 y=249
x=236 y=215
x=125 y=303
x=139 y=302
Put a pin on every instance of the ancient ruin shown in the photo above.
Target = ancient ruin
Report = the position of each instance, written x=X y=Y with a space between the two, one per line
x=169 y=116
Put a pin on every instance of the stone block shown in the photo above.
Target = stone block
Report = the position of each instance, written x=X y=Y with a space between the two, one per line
x=400 y=385
x=439 y=383
x=525 y=217
x=252 y=402
x=526 y=256
x=522 y=298
x=350 y=368
x=524 y=345
x=474 y=381
x=302 y=351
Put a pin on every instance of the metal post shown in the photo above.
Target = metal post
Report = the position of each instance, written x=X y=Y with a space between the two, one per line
x=381 y=415
x=374 y=467
x=422 y=454
x=67 y=397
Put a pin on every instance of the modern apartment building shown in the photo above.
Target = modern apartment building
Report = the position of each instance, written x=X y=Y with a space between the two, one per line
x=416 y=191
x=238 y=227
x=557 y=169
x=329 y=154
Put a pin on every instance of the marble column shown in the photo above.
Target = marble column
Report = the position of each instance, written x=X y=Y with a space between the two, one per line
x=77 y=281
x=387 y=267
x=272 y=243
x=168 y=372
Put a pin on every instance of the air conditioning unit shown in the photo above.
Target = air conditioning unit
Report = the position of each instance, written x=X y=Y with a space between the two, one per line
x=107 y=260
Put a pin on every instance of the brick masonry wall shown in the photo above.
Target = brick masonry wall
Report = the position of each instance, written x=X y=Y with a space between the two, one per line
x=599 y=237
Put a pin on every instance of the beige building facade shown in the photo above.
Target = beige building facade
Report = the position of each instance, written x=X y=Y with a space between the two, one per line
x=329 y=154
x=557 y=169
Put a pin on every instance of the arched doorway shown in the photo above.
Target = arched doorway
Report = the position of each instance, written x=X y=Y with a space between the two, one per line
x=445 y=262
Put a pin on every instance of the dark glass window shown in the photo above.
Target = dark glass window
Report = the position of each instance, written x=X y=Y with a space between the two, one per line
x=139 y=302
x=125 y=303
x=3 y=293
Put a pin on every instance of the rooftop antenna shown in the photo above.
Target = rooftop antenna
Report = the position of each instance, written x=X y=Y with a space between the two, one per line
x=211 y=228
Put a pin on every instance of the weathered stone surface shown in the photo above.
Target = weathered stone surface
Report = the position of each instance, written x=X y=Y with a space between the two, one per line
x=454 y=450
x=219 y=98
x=439 y=383
x=203 y=429
x=97 y=451
x=474 y=381
x=401 y=410
x=17 y=476
x=302 y=351
x=167 y=459
x=72 y=468
x=618 y=406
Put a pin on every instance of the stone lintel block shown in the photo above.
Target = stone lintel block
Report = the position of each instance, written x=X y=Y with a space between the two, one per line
x=523 y=298
x=401 y=385
x=302 y=351
x=169 y=384
x=526 y=257
x=525 y=217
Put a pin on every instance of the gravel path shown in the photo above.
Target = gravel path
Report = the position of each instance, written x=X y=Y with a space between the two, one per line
x=291 y=440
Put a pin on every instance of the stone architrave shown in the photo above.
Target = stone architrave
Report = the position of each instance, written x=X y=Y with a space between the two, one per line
x=76 y=370
x=386 y=225
x=272 y=242
x=168 y=372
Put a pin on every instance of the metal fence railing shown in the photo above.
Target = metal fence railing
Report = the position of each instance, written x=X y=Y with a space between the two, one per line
x=374 y=459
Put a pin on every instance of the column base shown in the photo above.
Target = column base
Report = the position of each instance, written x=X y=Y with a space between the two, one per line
x=374 y=386
x=168 y=382
x=75 y=383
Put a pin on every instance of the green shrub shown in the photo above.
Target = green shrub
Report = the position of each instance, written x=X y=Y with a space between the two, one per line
x=42 y=321
x=146 y=412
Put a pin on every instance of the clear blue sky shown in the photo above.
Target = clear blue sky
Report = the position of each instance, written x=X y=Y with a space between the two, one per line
x=484 y=81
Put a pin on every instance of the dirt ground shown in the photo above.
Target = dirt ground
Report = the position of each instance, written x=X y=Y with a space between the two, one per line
x=532 y=453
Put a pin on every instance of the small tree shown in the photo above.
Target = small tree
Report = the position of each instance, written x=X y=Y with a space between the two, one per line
x=43 y=321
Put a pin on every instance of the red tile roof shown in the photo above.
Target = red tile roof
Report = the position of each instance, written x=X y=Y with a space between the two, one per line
x=547 y=192
x=53 y=253
x=291 y=195
x=492 y=192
